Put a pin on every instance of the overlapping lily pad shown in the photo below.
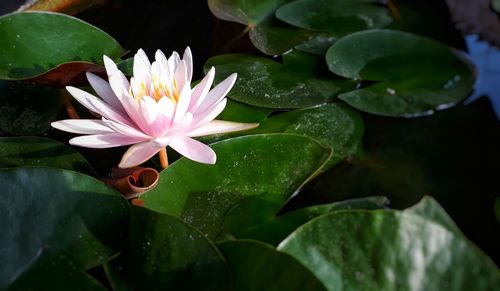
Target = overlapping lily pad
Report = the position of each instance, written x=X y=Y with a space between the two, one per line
x=299 y=82
x=257 y=219
x=27 y=109
x=36 y=42
x=266 y=33
x=334 y=125
x=52 y=229
x=337 y=17
x=412 y=75
x=40 y=152
x=353 y=250
x=165 y=253
x=258 y=266
x=271 y=166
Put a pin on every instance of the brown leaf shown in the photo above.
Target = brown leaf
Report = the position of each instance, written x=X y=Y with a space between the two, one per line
x=64 y=6
x=68 y=73
x=133 y=182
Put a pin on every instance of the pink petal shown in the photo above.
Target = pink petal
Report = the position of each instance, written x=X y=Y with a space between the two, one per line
x=103 y=89
x=139 y=153
x=125 y=129
x=181 y=75
x=173 y=60
x=216 y=94
x=82 y=126
x=221 y=126
x=188 y=58
x=193 y=149
x=209 y=114
x=96 y=105
x=201 y=90
x=100 y=141
x=142 y=68
x=183 y=105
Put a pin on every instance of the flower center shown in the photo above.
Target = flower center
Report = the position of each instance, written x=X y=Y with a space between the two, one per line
x=157 y=90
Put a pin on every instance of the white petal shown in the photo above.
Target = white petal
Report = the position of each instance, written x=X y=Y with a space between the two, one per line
x=216 y=94
x=117 y=80
x=139 y=153
x=142 y=68
x=125 y=129
x=103 y=89
x=221 y=126
x=181 y=75
x=96 y=105
x=201 y=90
x=183 y=105
x=188 y=58
x=167 y=107
x=173 y=60
x=149 y=109
x=100 y=141
x=82 y=126
x=193 y=149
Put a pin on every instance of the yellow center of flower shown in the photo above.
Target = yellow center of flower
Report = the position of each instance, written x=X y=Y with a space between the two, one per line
x=157 y=91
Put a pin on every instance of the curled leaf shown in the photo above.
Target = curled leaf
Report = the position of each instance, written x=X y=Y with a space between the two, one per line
x=133 y=182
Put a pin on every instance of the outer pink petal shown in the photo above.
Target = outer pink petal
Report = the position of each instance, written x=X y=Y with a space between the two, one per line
x=82 y=126
x=183 y=105
x=139 y=153
x=193 y=149
x=96 y=105
x=216 y=94
x=125 y=129
x=209 y=114
x=100 y=141
x=188 y=58
x=117 y=80
x=201 y=90
x=103 y=89
x=221 y=126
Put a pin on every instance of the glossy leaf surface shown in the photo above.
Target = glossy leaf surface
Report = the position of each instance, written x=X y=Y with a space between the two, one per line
x=412 y=75
x=67 y=232
x=269 y=166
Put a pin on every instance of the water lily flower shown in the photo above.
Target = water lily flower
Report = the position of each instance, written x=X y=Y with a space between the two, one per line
x=157 y=108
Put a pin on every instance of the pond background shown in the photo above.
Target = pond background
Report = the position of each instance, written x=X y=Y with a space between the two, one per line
x=453 y=155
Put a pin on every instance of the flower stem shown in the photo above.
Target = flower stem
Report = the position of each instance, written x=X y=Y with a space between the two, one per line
x=163 y=158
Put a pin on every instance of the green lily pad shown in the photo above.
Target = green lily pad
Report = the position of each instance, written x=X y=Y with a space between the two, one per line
x=412 y=75
x=36 y=42
x=167 y=254
x=241 y=112
x=495 y=4
x=389 y=250
x=258 y=266
x=337 y=17
x=299 y=82
x=266 y=33
x=40 y=152
x=27 y=109
x=334 y=125
x=274 y=37
x=271 y=166
x=318 y=44
x=247 y=12
x=52 y=229
x=430 y=209
x=257 y=219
